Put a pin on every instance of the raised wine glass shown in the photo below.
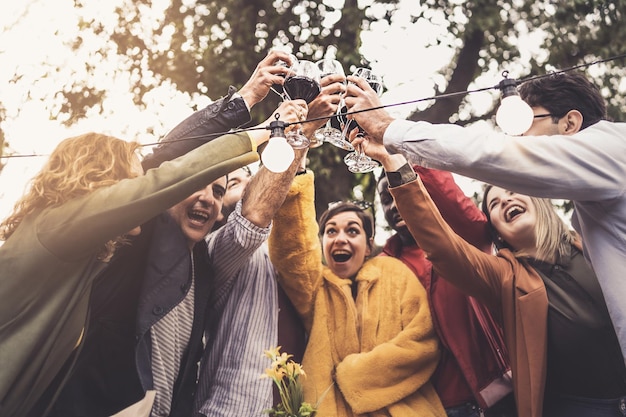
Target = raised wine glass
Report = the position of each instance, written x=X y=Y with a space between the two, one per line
x=331 y=131
x=302 y=82
x=357 y=161
x=278 y=89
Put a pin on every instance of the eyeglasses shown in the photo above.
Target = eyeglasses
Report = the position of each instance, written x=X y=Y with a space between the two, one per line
x=539 y=116
x=247 y=169
x=362 y=204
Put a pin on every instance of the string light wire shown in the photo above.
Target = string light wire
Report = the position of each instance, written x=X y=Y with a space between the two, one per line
x=345 y=114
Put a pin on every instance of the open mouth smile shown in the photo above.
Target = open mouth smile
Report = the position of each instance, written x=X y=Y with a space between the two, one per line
x=340 y=256
x=198 y=217
x=513 y=212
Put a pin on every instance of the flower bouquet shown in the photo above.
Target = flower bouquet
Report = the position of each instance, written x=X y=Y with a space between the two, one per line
x=286 y=375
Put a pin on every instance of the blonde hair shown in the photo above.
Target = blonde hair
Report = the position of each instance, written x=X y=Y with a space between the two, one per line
x=77 y=166
x=553 y=238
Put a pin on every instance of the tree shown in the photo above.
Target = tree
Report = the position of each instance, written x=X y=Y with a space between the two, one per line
x=203 y=46
x=215 y=44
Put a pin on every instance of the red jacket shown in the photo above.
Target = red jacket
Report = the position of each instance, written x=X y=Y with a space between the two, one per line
x=474 y=356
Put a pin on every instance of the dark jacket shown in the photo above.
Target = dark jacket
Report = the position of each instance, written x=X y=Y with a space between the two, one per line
x=113 y=369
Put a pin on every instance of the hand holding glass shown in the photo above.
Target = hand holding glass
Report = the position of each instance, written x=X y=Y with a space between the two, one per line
x=357 y=161
x=329 y=133
x=302 y=82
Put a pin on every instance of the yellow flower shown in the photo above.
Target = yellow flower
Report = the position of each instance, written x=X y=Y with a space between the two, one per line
x=273 y=353
x=274 y=373
x=294 y=369
x=286 y=375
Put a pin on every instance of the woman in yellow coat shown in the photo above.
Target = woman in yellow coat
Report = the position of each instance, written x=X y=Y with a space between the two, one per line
x=370 y=332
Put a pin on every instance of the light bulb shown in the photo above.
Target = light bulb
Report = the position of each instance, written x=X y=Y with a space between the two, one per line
x=278 y=154
x=514 y=116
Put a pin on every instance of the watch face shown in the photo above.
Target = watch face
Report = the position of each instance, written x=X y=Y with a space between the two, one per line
x=395 y=178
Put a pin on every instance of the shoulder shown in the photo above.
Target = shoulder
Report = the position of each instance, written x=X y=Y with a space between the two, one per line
x=387 y=267
x=386 y=262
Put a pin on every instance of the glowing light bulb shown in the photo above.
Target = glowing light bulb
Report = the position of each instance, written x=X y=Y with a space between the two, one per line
x=514 y=116
x=278 y=154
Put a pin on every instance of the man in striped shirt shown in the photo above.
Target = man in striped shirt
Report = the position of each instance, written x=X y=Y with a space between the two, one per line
x=244 y=316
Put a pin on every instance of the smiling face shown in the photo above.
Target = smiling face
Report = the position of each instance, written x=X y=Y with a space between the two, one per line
x=513 y=216
x=345 y=244
x=196 y=214
x=237 y=182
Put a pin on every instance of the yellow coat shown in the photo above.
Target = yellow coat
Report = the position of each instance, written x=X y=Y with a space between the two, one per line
x=381 y=349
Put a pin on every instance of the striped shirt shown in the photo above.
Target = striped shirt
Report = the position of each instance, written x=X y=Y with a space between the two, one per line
x=242 y=323
x=170 y=337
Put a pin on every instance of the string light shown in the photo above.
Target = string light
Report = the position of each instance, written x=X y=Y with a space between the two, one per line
x=514 y=116
x=278 y=154
x=501 y=86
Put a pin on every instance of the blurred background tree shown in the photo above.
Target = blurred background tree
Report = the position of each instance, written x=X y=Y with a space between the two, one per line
x=202 y=46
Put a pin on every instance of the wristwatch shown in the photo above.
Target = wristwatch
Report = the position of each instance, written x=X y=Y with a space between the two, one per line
x=403 y=175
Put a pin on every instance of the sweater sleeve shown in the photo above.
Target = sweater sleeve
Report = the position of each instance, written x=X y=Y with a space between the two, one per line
x=79 y=227
x=295 y=249
x=586 y=166
x=401 y=366
x=458 y=210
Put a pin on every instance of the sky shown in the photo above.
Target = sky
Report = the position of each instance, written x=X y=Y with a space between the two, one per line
x=35 y=31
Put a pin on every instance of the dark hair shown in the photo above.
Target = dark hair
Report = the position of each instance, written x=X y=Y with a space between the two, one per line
x=343 y=206
x=562 y=92
x=495 y=237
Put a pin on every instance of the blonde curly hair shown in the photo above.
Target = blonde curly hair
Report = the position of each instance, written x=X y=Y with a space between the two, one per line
x=77 y=166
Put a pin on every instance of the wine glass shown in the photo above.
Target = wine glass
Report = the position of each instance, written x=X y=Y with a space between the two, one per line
x=280 y=92
x=357 y=161
x=302 y=82
x=329 y=132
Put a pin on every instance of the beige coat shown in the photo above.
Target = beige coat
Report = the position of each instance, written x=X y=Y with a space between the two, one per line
x=382 y=347
x=513 y=290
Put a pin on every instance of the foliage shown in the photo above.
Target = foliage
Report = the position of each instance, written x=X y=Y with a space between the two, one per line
x=287 y=374
x=216 y=44
x=203 y=46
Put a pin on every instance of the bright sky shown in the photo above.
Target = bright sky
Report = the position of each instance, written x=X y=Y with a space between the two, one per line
x=32 y=32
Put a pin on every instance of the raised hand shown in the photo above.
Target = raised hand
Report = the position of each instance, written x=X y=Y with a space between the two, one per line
x=376 y=150
x=360 y=96
x=267 y=73
x=326 y=103
x=291 y=111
